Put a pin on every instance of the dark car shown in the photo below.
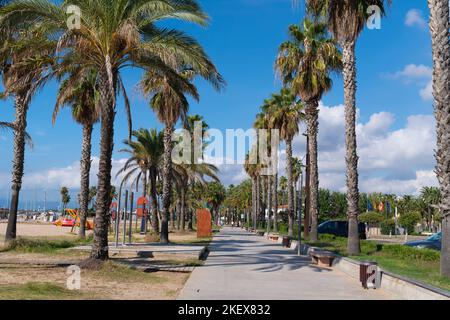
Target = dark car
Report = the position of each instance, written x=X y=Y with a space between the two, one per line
x=432 y=242
x=340 y=228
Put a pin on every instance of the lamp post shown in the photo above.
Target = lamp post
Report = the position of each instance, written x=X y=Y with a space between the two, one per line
x=300 y=203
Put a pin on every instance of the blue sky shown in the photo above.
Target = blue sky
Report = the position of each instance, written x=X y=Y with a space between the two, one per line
x=242 y=40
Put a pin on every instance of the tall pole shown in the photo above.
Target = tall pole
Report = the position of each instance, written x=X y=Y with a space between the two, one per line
x=130 y=229
x=118 y=217
x=300 y=203
x=125 y=218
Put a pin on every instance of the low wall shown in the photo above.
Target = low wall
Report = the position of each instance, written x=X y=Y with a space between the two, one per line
x=401 y=287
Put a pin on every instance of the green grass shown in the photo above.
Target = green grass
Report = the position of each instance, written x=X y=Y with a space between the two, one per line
x=37 y=291
x=118 y=272
x=419 y=264
x=31 y=245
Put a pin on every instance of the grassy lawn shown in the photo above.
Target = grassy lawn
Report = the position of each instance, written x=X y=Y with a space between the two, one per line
x=43 y=245
x=38 y=291
x=419 y=264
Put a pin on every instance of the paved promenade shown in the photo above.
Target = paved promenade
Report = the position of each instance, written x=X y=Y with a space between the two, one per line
x=243 y=266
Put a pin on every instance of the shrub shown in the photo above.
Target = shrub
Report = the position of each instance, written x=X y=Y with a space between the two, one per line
x=409 y=253
x=388 y=227
x=371 y=218
x=409 y=221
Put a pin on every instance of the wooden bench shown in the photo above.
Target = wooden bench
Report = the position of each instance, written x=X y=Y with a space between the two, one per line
x=323 y=259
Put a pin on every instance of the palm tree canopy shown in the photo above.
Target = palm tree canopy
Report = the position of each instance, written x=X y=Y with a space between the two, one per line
x=116 y=33
x=79 y=91
x=346 y=18
x=146 y=154
x=306 y=60
x=286 y=114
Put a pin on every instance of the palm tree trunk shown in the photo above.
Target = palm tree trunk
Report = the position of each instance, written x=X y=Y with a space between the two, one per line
x=258 y=201
x=154 y=200
x=183 y=209
x=269 y=200
x=275 y=203
x=254 y=207
x=289 y=187
x=439 y=26
x=178 y=212
x=85 y=166
x=107 y=104
x=263 y=197
x=18 y=164
x=349 y=74
x=144 y=194
x=312 y=113
x=167 y=184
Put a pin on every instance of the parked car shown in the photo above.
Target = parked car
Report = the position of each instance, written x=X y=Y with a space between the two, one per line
x=340 y=228
x=432 y=242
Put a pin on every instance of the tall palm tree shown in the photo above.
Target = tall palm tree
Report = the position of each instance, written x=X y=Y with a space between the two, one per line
x=80 y=93
x=144 y=164
x=252 y=170
x=346 y=20
x=170 y=104
x=25 y=64
x=111 y=36
x=286 y=117
x=439 y=26
x=304 y=64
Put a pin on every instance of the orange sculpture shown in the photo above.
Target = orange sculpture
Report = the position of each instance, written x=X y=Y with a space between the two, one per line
x=142 y=203
x=204 y=228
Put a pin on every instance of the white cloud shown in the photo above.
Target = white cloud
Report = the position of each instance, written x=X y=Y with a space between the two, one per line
x=413 y=72
x=414 y=18
x=419 y=74
x=427 y=92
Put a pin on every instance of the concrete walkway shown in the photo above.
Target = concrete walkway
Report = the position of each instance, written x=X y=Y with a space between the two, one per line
x=243 y=266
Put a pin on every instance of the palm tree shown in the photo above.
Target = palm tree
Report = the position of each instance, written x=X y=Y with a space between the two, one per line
x=252 y=170
x=170 y=104
x=25 y=64
x=286 y=117
x=346 y=21
x=65 y=197
x=304 y=64
x=144 y=164
x=79 y=92
x=439 y=26
x=111 y=36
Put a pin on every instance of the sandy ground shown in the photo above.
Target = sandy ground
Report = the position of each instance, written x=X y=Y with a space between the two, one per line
x=100 y=285
x=119 y=284
x=39 y=230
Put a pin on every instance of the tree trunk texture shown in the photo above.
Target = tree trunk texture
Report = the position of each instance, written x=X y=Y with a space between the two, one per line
x=85 y=166
x=275 y=203
x=439 y=27
x=20 y=124
x=100 y=245
x=183 y=209
x=312 y=114
x=167 y=184
x=289 y=187
x=351 y=158
x=154 y=201
x=254 y=207
x=269 y=200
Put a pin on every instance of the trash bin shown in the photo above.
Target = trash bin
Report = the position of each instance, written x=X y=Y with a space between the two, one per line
x=286 y=242
x=364 y=274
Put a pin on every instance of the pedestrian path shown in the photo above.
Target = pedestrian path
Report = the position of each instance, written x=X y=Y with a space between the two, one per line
x=244 y=266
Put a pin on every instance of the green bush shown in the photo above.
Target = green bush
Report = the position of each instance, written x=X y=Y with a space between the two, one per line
x=371 y=218
x=388 y=227
x=410 y=253
x=409 y=221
